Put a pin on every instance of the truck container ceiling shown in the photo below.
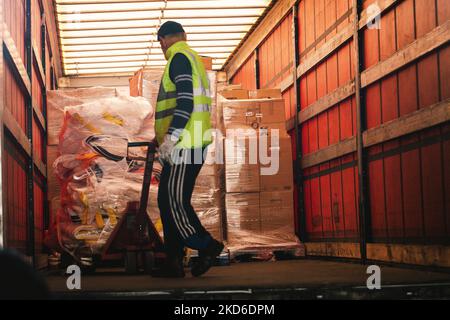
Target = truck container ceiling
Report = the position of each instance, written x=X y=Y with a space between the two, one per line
x=92 y=32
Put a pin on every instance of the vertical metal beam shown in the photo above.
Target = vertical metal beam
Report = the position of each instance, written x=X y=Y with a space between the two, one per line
x=298 y=146
x=29 y=105
x=2 y=141
x=46 y=222
x=364 y=217
x=257 y=69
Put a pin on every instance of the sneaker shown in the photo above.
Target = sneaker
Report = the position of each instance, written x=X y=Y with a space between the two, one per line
x=207 y=258
x=171 y=269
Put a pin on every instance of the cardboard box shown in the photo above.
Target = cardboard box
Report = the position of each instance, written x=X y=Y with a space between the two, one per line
x=145 y=83
x=277 y=211
x=227 y=87
x=241 y=149
x=283 y=179
x=243 y=213
x=265 y=94
x=207 y=62
x=237 y=94
x=264 y=114
x=222 y=77
x=243 y=175
x=242 y=178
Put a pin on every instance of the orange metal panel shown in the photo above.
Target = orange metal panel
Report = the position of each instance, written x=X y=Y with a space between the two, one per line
x=39 y=213
x=16 y=199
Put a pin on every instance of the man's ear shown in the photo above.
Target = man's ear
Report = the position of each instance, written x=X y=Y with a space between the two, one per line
x=162 y=42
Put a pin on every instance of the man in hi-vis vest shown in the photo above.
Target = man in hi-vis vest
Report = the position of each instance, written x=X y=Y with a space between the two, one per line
x=183 y=132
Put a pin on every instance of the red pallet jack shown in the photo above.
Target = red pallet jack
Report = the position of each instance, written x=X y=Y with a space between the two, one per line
x=135 y=238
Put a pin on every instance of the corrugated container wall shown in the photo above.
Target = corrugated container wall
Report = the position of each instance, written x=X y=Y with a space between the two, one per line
x=405 y=142
x=27 y=69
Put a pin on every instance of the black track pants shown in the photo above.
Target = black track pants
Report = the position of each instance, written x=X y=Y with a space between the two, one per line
x=182 y=227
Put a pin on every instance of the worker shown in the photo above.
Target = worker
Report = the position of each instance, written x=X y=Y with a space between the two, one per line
x=183 y=133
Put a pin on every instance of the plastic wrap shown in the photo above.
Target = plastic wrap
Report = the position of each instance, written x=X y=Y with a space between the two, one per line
x=207 y=200
x=260 y=221
x=57 y=100
x=125 y=117
x=255 y=113
x=259 y=183
x=95 y=190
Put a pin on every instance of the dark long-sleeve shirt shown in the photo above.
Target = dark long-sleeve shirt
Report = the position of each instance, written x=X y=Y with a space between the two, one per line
x=180 y=73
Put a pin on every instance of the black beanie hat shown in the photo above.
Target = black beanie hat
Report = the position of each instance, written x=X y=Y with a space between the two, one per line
x=170 y=27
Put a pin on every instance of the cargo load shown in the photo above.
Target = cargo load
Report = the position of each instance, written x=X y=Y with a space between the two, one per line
x=97 y=182
x=258 y=172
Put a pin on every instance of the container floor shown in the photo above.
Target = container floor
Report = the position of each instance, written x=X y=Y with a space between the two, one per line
x=293 y=279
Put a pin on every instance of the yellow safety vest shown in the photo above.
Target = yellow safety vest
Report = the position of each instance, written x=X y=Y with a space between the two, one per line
x=197 y=133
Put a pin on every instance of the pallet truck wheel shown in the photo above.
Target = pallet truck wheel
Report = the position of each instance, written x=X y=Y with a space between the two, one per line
x=131 y=262
x=149 y=261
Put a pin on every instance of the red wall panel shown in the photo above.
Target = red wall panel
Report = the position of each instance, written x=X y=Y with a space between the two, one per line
x=408 y=177
x=275 y=55
x=15 y=162
x=336 y=194
x=14 y=17
x=290 y=103
x=14 y=97
x=36 y=22
x=39 y=212
x=246 y=75
x=16 y=204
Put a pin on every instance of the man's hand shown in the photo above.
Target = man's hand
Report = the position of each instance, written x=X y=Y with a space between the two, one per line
x=166 y=148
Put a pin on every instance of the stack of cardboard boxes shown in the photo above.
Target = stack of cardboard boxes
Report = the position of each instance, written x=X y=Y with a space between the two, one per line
x=258 y=169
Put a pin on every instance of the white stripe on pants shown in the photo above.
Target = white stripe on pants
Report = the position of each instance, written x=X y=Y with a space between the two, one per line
x=175 y=187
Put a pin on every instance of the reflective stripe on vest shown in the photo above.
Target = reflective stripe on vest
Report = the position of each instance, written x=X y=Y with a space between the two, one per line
x=169 y=112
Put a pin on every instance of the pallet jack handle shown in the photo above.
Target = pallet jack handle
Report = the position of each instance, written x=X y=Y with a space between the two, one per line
x=151 y=151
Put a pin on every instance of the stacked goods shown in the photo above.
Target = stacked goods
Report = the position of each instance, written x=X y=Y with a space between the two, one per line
x=57 y=100
x=145 y=83
x=96 y=186
x=208 y=197
x=258 y=171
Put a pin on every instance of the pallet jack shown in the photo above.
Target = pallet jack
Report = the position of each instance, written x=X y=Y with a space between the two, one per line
x=135 y=237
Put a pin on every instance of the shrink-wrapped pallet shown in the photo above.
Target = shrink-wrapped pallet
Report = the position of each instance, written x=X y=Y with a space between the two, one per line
x=258 y=172
x=96 y=186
